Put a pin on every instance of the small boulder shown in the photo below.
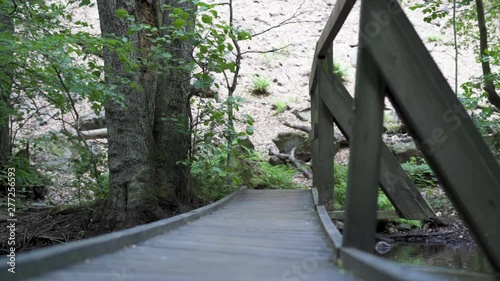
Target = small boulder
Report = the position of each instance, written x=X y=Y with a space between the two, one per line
x=404 y=151
x=92 y=121
x=286 y=141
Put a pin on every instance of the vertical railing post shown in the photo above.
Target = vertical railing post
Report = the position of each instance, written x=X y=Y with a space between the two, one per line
x=365 y=144
x=323 y=142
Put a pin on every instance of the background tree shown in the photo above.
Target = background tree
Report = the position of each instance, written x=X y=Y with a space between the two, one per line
x=476 y=25
x=6 y=79
x=484 y=53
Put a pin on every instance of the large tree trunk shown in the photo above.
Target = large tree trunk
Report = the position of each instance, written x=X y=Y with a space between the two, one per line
x=144 y=143
x=6 y=78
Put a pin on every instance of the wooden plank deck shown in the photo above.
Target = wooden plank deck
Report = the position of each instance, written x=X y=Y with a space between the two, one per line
x=263 y=235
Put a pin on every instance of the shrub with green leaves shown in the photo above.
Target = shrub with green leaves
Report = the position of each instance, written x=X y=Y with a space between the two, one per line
x=340 y=70
x=340 y=190
x=383 y=202
x=260 y=85
x=26 y=176
x=420 y=172
x=412 y=223
x=211 y=174
x=273 y=177
x=436 y=38
x=280 y=107
x=57 y=64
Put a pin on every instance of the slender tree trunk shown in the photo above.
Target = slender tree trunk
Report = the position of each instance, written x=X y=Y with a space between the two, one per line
x=6 y=77
x=144 y=141
x=489 y=85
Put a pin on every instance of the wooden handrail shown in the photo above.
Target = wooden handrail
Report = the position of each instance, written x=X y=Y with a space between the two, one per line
x=335 y=22
x=393 y=62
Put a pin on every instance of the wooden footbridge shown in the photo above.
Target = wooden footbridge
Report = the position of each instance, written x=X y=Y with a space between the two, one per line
x=288 y=234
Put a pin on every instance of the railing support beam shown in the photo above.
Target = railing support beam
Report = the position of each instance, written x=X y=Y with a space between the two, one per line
x=440 y=125
x=364 y=162
x=323 y=141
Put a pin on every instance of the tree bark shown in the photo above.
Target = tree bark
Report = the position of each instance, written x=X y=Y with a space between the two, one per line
x=6 y=79
x=145 y=143
x=489 y=85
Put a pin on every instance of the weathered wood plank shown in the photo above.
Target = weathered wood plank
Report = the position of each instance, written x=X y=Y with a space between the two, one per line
x=381 y=215
x=39 y=261
x=395 y=183
x=313 y=75
x=439 y=124
x=263 y=235
x=334 y=24
x=333 y=234
x=335 y=21
x=314 y=192
x=364 y=161
x=324 y=146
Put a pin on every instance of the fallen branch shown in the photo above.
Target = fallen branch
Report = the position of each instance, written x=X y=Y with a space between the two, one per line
x=95 y=134
x=299 y=166
x=417 y=235
x=297 y=114
x=303 y=128
x=53 y=239
x=291 y=158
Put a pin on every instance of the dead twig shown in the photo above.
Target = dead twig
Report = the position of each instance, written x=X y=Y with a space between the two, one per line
x=282 y=23
x=291 y=158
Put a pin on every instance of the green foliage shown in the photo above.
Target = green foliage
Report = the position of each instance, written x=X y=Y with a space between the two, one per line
x=217 y=165
x=26 y=174
x=56 y=65
x=412 y=223
x=340 y=70
x=210 y=175
x=420 y=173
x=46 y=49
x=438 y=200
x=280 y=107
x=268 y=176
x=432 y=9
x=436 y=38
x=383 y=202
x=466 y=23
x=340 y=190
x=260 y=85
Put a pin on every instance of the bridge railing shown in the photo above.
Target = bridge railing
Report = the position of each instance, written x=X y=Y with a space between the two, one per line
x=393 y=62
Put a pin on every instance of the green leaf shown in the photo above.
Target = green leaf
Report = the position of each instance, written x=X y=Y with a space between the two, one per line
x=206 y=19
x=177 y=11
x=84 y=3
x=122 y=13
x=249 y=130
x=178 y=23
